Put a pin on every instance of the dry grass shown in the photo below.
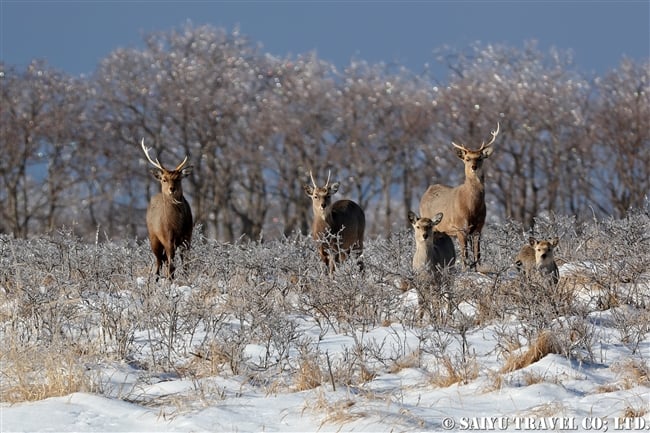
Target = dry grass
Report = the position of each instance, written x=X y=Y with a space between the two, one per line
x=532 y=378
x=631 y=373
x=496 y=382
x=546 y=410
x=228 y=307
x=455 y=372
x=366 y=375
x=32 y=373
x=308 y=375
x=411 y=360
x=340 y=411
x=200 y=365
x=543 y=345
x=632 y=412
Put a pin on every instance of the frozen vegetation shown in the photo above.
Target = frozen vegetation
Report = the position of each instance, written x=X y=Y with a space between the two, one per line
x=256 y=336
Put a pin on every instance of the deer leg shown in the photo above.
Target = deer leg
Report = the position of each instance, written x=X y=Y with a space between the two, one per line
x=421 y=305
x=424 y=288
x=358 y=251
x=476 y=243
x=330 y=259
x=170 y=261
x=325 y=257
x=158 y=252
x=332 y=265
x=463 y=246
x=184 y=249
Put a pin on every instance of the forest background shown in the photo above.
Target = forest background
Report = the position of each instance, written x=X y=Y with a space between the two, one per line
x=254 y=125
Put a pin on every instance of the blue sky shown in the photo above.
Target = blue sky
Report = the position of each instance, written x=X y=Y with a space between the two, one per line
x=74 y=36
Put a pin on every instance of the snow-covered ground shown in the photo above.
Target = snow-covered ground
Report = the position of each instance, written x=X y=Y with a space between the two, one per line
x=409 y=384
x=553 y=393
x=565 y=395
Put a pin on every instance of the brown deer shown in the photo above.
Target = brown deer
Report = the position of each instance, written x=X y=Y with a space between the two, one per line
x=463 y=205
x=434 y=250
x=169 y=216
x=538 y=257
x=338 y=227
x=434 y=255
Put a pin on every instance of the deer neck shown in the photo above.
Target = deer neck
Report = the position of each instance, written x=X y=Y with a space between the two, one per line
x=174 y=201
x=474 y=176
x=422 y=255
x=473 y=188
x=320 y=223
x=321 y=214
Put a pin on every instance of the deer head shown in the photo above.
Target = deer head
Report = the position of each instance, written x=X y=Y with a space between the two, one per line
x=543 y=249
x=321 y=196
x=170 y=180
x=473 y=159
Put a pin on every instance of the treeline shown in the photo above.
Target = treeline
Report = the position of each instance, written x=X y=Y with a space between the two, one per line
x=254 y=125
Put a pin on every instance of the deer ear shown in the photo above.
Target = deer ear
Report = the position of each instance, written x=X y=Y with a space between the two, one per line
x=156 y=173
x=334 y=187
x=186 y=171
x=554 y=242
x=437 y=218
x=412 y=217
x=487 y=152
x=460 y=153
x=532 y=241
x=309 y=190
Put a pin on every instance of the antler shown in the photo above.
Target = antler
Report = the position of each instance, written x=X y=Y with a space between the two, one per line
x=181 y=165
x=156 y=163
x=329 y=172
x=314 y=182
x=494 y=137
x=483 y=145
x=459 y=146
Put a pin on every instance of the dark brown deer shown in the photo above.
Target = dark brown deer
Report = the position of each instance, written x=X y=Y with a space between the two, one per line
x=463 y=205
x=338 y=227
x=169 y=216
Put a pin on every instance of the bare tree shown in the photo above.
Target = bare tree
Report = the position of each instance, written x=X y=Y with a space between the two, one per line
x=42 y=119
x=542 y=103
x=621 y=139
x=253 y=125
x=301 y=111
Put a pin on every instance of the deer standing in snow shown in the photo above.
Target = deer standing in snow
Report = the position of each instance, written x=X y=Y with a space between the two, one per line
x=169 y=216
x=434 y=255
x=464 y=205
x=338 y=227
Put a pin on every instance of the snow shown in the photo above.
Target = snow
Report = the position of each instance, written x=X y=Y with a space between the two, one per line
x=552 y=393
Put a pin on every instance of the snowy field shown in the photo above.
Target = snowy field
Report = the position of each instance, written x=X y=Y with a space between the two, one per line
x=552 y=393
x=232 y=346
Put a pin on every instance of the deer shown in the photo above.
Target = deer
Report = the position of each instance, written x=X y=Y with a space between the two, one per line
x=337 y=227
x=463 y=205
x=169 y=216
x=434 y=254
x=537 y=256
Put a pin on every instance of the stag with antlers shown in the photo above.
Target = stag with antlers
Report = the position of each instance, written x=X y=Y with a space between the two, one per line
x=338 y=227
x=169 y=216
x=463 y=205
